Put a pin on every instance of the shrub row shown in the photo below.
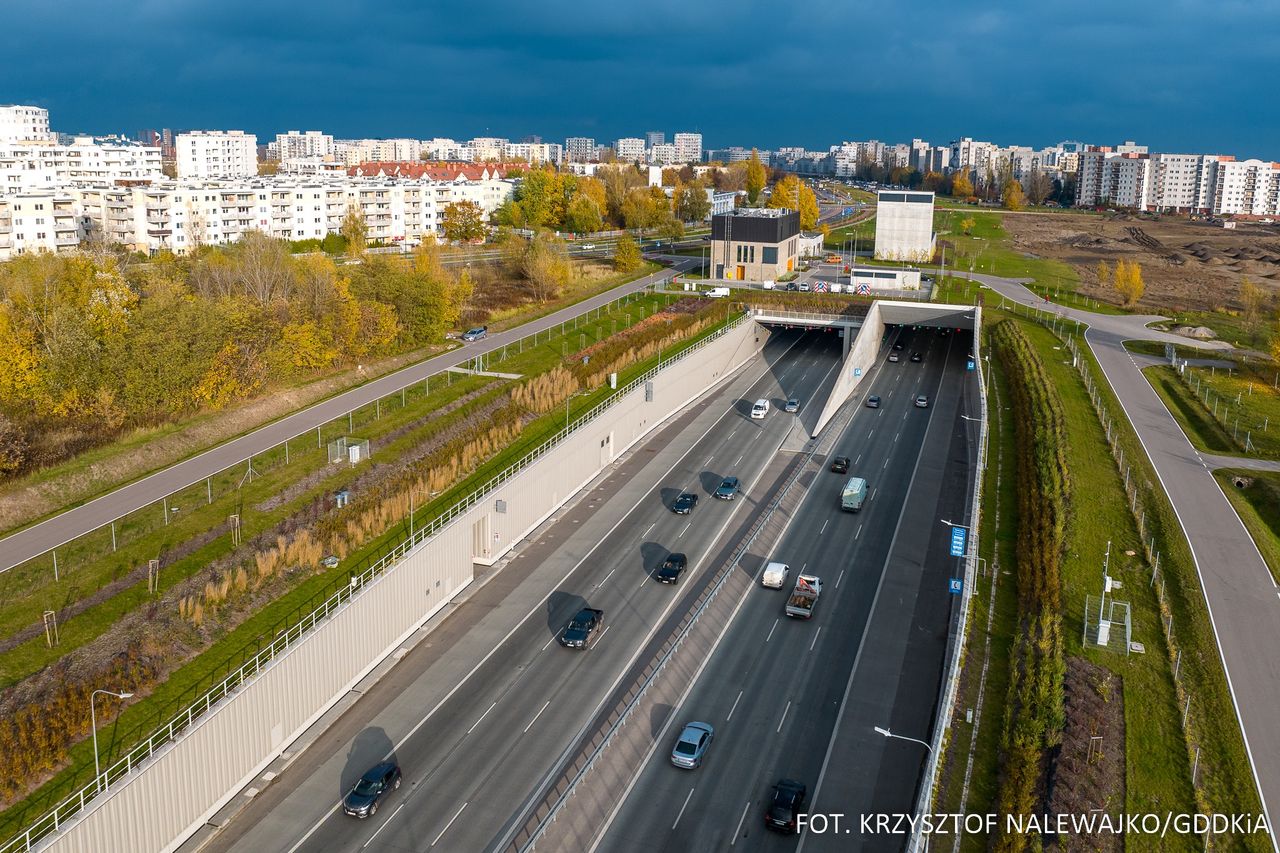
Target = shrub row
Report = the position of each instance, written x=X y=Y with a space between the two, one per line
x=1034 y=713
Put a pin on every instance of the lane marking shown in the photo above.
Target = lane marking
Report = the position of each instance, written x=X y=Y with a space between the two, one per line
x=482 y=716
x=447 y=825
x=732 y=434
x=606 y=577
x=859 y=459
x=384 y=824
x=734 y=708
x=815 y=638
x=683 y=807
x=895 y=437
x=739 y=462
x=600 y=639
x=536 y=716
x=824 y=527
x=886 y=464
x=785 y=711
x=859 y=533
x=839 y=579
x=650 y=527
x=686 y=528
x=738 y=831
x=771 y=630
x=873 y=432
x=549 y=642
x=708 y=464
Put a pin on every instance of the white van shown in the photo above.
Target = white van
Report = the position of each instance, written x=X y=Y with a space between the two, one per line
x=718 y=292
x=759 y=409
x=775 y=575
x=767 y=284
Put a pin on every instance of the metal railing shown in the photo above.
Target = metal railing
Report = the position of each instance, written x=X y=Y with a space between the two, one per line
x=52 y=821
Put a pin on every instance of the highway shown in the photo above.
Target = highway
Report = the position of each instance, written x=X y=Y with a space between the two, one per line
x=40 y=538
x=783 y=693
x=481 y=713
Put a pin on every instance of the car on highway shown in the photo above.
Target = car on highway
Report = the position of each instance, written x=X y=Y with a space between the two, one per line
x=840 y=464
x=873 y=402
x=671 y=568
x=922 y=402
x=793 y=405
x=475 y=334
x=691 y=746
x=893 y=356
x=728 y=489
x=775 y=575
x=684 y=504
x=915 y=356
x=582 y=629
x=362 y=800
x=588 y=246
x=785 y=805
x=759 y=409
x=898 y=345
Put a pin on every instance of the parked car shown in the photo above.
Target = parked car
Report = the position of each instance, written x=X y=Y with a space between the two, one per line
x=785 y=805
x=691 y=746
x=759 y=409
x=671 y=568
x=922 y=402
x=588 y=246
x=873 y=402
x=840 y=464
x=684 y=504
x=475 y=334
x=804 y=286
x=362 y=800
x=915 y=356
x=728 y=489
x=582 y=628
x=793 y=405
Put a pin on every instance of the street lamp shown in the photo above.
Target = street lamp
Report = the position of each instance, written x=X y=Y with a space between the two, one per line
x=967 y=418
x=948 y=523
x=93 y=724
x=882 y=730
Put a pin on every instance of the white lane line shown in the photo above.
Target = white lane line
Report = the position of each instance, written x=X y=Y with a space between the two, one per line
x=754 y=437
x=886 y=463
x=732 y=434
x=686 y=528
x=805 y=566
x=447 y=825
x=606 y=578
x=871 y=495
x=384 y=824
x=824 y=527
x=482 y=716
x=785 y=711
x=815 y=638
x=536 y=716
x=895 y=436
x=734 y=708
x=650 y=527
x=873 y=432
x=771 y=630
x=859 y=533
x=739 y=462
x=549 y=642
x=683 y=807
x=709 y=458
x=738 y=831
x=600 y=639
x=859 y=459
x=839 y=578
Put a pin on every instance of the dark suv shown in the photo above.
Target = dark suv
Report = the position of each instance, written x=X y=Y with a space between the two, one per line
x=579 y=633
x=671 y=568
x=785 y=806
x=684 y=504
x=362 y=800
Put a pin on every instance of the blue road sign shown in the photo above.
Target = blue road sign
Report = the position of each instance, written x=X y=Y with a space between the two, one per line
x=956 y=585
x=970 y=365
x=848 y=210
x=958 y=535
x=857 y=371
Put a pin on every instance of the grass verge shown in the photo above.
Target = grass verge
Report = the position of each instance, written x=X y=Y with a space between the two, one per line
x=1258 y=505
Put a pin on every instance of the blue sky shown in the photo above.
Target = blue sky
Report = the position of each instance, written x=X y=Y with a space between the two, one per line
x=1178 y=75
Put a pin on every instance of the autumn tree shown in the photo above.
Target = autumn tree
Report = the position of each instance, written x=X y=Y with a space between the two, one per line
x=961 y=186
x=691 y=203
x=13 y=446
x=1128 y=282
x=626 y=254
x=355 y=230
x=967 y=225
x=755 y=177
x=1012 y=196
x=1254 y=302
x=545 y=266
x=1039 y=187
x=1104 y=273
x=583 y=215
x=463 y=221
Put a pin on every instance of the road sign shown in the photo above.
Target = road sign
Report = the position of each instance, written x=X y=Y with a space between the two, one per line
x=958 y=535
x=864 y=289
x=857 y=371
x=819 y=287
x=970 y=365
x=956 y=585
x=848 y=210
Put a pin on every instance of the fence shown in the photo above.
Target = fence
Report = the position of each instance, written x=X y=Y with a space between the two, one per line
x=52 y=821
x=1220 y=406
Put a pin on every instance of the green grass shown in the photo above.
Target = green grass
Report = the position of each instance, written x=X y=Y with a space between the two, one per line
x=1229 y=326
x=1204 y=432
x=1258 y=506
x=1226 y=411
x=229 y=652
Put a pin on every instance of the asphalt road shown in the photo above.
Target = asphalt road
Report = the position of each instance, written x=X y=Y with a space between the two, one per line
x=480 y=715
x=775 y=688
x=49 y=534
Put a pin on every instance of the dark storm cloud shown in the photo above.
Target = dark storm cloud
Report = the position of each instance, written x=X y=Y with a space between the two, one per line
x=1189 y=76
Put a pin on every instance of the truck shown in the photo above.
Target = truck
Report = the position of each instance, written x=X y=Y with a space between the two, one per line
x=579 y=633
x=804 y=596
x=855 y=492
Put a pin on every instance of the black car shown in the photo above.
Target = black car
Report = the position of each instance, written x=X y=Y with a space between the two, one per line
x=873 y=402
x=578 y=633
x=728 y=489
x=915 y=356
x=684 y=504
x=840 y=464
x=785 y=805
x=672 y=568
x=362 y=800
x=898 y=345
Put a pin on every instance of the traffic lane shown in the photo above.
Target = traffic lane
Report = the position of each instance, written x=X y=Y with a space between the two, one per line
x=313 y=787
x=764 y=674
x=443 y=748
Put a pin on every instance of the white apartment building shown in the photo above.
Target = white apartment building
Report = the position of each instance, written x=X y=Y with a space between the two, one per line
x=904 y=226
x=1246 y=186
x=296 y=146
x=396 y=149
x=353 y=152
x=312 y=166
x=535 y=152
x=40 y=221
x=579 y=149
x=484 y=148
x=20 y=123
x=440 y=149
x=629 y=149
x=204 y=154
x=1119 y=180
x=688 y=147
x=1182 y=182
x=976 y=158
x=35 y=164
x=663 y=154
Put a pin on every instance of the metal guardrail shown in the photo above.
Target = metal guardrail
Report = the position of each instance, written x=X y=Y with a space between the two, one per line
x=946 y=709
x=52 y=821
x=806 y=316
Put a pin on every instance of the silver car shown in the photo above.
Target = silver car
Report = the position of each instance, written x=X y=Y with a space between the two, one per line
x=692 y=745
x=922 y=402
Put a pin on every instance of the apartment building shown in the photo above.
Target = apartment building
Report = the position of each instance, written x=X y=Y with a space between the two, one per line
x=37 y=164
x=204 y=154
x=732 y=154
x=976 y=158
x=20 y=123
x=1119 y=180
x=483 y=148
x=40 y=221
x=688 y=147
x=579 y=149
x=663 y=154
x=629 y=149
x=654 y=137
x=1246 y=186
x=1182 y=182
x=535 y=152
x=295 y=146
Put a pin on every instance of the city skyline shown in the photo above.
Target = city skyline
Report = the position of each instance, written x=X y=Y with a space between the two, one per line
x=1175 y=81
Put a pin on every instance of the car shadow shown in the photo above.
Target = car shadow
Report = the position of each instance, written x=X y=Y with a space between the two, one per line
x=710 y=481
x=651 y=556
x=370 y=746
x=561 y=607
x=669 y=496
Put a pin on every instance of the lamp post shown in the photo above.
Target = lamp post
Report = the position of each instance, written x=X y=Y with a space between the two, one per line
x=93 y=724
x=882 y=730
